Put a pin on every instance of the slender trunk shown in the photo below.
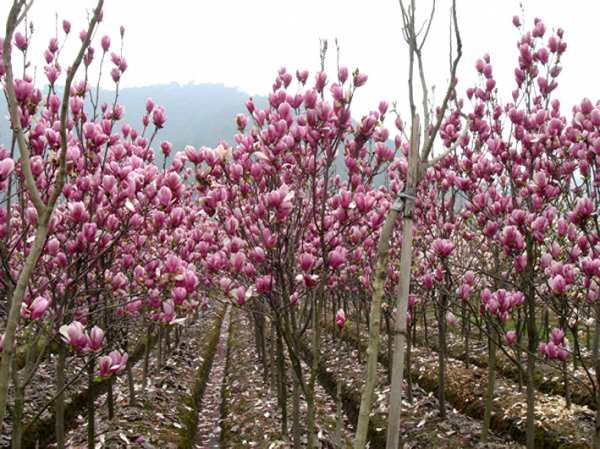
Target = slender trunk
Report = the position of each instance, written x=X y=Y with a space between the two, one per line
x=91 y=408
x=403 y=289
x=177 y=336
x=146 y=365
x=491 y=384
x=442 y=354
x=564 y=368
x=467 y=332
x=409 y=343
x=17 y=415
x=14 y=312
x=531 y=346
x=159 y=361
x=110 y=400
x=588 y=333
x=425 y=327
x=59 y=405
x=282 y=384
x=257 y=338
x=131 y=386
x=272 y=358
x=316 y=355
x=374 y=334
x=168 y=342
x=358 y=334
x=519 y=346
x=296 y=429
x=388 y=332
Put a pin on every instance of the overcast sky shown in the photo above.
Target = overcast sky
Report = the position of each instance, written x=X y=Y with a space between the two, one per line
x=242 y=43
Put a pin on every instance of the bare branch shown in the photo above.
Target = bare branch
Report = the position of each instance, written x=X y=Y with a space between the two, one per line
x=408 y=37
x=13 y=107
x=429 y=21
x=428 y=144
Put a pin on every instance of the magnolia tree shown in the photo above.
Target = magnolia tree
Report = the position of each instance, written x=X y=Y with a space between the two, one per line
x=524 y=251
x=111 y=235
x=290 y=227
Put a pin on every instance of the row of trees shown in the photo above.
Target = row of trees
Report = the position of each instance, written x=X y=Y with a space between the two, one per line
x=99 y=246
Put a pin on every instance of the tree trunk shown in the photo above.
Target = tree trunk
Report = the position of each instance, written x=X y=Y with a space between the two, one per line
x=466 y=332
x=159 y=361
x=442 y=325
x=131 y=386
x=110 y=400
x=403 y=289
x=531 y=346
x=59 y=405
x=91 y=408
x=282 y=384
x=491 y=381
x=146 y=365
x=296 y=430
x=412 y=330
x=310 y=394
x=14 y=312
x=17 y=415
x=374 y=334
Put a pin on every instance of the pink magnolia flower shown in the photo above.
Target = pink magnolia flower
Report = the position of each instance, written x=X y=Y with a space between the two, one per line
x=38 y=307
x=113 y=363
x=512 y=239
x=179 y=295
x=77 y=212
x=105 y=43
x=340 y=318
x=240 y=295
x=159 y=117
x=74 y=335
x=337 y=257
x=442 y=247
x=263 y=284
x=96 y=338
x=165 y=195
x=6 y=167
x=20 y=41
x=558 y=284
x=510 y=338
x=307 y=261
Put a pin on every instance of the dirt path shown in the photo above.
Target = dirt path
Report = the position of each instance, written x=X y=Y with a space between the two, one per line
x=208 y=434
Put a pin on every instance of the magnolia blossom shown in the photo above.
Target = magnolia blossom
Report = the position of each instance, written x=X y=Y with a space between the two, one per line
x=510 y=338
x=340 y=318
x=555 y=348
x=74 y=335
x=337 y=257
x=442 y=247
x=113 y=363
x=451 y=319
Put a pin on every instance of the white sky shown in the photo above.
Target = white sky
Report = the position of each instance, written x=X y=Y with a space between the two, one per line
x=242 y=43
